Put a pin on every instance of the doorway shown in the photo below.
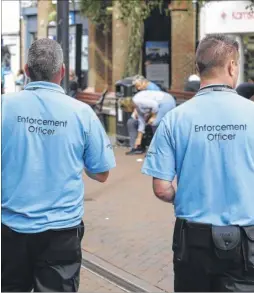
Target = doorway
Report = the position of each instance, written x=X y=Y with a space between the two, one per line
x=157 y=46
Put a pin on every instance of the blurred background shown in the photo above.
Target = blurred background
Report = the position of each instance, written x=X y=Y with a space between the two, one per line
x=165 y=35
x=105 y=41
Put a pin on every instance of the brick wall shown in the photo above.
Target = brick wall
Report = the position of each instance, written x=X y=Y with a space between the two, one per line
x=182 y=44
x=107 y=53
x=104 y=63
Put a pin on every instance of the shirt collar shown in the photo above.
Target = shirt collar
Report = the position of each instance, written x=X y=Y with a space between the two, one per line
x=44 y=85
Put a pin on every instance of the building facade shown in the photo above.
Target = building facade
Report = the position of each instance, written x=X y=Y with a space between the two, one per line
x=168 y=51
x=10 y=41
x=236 y=19
x=167 y=55
x=37 y=24
x=11 y=31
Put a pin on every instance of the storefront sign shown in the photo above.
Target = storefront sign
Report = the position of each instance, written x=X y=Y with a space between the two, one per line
x=243 y=15
x=231 y=17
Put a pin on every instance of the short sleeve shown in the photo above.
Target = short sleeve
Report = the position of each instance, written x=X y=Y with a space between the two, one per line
x=98 y=155
x=160 y=158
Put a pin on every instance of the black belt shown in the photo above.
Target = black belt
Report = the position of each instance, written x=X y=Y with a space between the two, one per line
x=228 y=242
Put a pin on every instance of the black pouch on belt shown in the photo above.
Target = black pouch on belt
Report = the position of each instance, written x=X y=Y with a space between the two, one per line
x=227 y=242
x=179 y=241
x=248 y=244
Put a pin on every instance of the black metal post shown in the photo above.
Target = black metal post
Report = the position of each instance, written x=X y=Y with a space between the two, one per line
x=195 y=4
x=197 y=24
x=63 y=36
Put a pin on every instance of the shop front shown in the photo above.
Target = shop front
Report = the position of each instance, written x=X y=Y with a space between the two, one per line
x=236 y=19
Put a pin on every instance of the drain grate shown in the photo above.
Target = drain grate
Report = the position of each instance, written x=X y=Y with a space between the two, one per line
x=111 y=277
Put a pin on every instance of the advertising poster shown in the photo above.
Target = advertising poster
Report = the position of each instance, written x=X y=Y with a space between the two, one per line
x=156 y=62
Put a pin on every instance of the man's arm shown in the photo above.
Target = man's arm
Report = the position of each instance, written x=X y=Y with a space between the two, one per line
x=100 y=177
x=160 y=163
x=164 y=190
x=98 y=154
x=141 y=129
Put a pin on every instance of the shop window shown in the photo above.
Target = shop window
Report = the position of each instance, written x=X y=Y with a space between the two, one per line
x=157 y=47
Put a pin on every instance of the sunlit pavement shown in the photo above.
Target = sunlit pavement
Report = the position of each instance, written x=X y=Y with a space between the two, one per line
x=127 y=226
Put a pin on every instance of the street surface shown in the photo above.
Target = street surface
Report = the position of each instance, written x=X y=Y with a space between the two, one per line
x=92 y=283
x=127 y=226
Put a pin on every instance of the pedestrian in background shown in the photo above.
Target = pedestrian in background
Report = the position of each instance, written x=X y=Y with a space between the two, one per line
x=141 y=84
x=246 y=89
x=48 y=139
x=208 y=144
x=192 y=84
x=20 y=80
x=73 y=84
x=151 y=107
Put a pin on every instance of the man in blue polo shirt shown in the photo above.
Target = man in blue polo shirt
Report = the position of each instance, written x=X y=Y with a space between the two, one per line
x=133 y=123
x=48 y=139
x=208 y=144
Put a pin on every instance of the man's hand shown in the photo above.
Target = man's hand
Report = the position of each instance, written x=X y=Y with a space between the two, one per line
x=164 y=190
x=138 y=139
x=151 y=120
x=138 y=142
x=135 y=114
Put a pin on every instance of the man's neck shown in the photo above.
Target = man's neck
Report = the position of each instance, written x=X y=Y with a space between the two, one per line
x=213 y=81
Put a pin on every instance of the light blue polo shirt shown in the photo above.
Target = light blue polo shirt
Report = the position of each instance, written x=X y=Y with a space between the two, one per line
x=48 y=139
x=208 y=142
x=152 y=87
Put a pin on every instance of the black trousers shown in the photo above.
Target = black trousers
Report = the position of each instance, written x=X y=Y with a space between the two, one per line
x=213 y=259
x=44 y=262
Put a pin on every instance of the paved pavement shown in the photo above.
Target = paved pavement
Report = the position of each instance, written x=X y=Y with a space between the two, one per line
x=93 y=283
x=127 y=226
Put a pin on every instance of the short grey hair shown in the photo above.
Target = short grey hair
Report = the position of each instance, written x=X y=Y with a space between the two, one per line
x=45 y=59
x=138 y=78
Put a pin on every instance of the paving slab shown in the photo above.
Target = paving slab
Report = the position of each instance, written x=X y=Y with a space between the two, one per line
x=127 y=226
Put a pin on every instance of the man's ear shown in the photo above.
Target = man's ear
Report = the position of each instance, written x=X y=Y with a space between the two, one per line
x=27 y=71
x=232 y=68
x=63 y=69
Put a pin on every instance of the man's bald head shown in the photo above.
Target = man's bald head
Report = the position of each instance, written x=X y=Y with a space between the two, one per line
x=214 y=53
